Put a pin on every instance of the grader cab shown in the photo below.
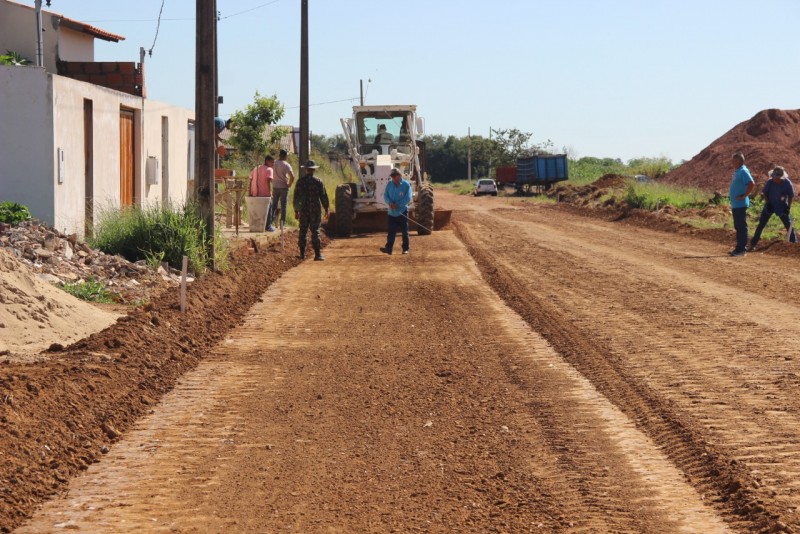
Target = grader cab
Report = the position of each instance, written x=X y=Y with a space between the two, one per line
x=382 y=138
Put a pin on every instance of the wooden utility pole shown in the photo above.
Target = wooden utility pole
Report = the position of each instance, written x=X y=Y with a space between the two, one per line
x=204 y=107
x=304 y=130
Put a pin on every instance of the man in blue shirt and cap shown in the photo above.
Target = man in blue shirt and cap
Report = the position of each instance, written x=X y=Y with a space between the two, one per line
x=778 y=193
x=397 y=196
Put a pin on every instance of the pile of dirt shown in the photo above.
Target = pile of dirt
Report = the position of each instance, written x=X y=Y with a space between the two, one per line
x=611 y=181
x=34 y=314
x=771 y=137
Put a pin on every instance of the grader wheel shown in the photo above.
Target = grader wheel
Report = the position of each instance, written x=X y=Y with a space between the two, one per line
x=344 y=210
x=424 y=210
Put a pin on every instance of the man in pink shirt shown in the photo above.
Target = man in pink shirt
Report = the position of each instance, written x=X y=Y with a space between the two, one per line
x=261 y=179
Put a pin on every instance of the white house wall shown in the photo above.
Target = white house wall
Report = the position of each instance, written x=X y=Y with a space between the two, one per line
x=70 y=195
x=26 y=140
x=176 y=140
x=75 y=46
x=68 y=104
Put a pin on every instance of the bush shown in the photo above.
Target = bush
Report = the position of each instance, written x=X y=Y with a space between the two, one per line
x=156 y=234
x=13 y=213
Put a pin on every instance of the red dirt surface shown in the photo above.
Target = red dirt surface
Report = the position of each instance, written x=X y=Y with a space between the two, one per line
x=60 y=415
x=538 y=369
x=771 y=137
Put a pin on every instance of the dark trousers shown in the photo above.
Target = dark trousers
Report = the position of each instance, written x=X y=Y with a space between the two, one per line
x=766 y=213
x=395 y=224
x=740 y=224
x=279 y=199
x=310 y=222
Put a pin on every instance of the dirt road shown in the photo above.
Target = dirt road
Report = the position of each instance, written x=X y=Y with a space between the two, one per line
x=577 y=376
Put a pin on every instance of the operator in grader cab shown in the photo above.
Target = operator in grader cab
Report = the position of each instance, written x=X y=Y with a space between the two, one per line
x=383 y=137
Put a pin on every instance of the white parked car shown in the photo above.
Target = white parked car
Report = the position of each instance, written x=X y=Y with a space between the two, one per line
x=485 y=186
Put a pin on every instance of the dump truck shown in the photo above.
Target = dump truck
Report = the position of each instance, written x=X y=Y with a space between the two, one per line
x=379 y=139
x=540 y=172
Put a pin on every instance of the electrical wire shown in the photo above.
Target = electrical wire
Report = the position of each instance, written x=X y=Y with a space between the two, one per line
x=158 y=26
x=329 y=102
x=249 y=10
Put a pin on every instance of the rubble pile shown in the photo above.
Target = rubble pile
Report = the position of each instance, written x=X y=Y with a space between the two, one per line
x=63 y=259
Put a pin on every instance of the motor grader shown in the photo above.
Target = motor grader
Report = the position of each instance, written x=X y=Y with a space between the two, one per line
x=382 y=138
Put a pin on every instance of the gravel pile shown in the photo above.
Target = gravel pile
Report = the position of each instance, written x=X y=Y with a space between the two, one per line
x=62 y=259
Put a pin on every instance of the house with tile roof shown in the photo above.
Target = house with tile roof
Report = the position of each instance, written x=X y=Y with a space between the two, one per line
x=78 y=135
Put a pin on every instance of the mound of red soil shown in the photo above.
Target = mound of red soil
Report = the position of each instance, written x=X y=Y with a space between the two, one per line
x=771 y=137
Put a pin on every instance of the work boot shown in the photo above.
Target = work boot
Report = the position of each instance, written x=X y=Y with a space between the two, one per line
x=318 y=256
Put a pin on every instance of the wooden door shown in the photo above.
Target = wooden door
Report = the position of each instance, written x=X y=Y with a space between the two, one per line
x=126 y=159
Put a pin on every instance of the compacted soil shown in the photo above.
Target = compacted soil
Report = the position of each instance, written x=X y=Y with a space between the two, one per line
x=528 y=369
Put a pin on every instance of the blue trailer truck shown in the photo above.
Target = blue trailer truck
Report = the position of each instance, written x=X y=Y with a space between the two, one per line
x=540 y=172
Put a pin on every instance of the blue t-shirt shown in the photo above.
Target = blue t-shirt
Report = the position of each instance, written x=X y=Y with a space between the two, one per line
x=778 y=195
x=741 y=179
x=399 y=195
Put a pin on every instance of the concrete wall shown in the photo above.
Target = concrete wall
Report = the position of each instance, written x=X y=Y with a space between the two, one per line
x=43 y=115
x=26 y=141
x=165 y=136
x=74 y=46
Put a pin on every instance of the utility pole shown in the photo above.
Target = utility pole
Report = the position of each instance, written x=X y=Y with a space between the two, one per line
x=490 y=153
x=304 y=134
x=204 y=106
x=469 y=155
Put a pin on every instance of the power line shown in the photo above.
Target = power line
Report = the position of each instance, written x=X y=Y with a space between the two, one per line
x=150 y=52
x=329 y=102
x=251 y=9
x=183 y=18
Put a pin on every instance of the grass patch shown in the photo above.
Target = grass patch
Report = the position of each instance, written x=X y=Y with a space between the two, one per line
x=158 y=233
x=653 y=195
x=90 y=290
x=458 y=187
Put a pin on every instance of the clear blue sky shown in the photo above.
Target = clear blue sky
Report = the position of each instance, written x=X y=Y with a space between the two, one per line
x=605 y=78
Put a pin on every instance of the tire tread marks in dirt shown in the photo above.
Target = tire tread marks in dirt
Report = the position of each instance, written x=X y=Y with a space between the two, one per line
x=59 y=415
x=705 y=466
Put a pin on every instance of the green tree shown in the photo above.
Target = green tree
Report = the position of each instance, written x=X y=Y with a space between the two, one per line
x=249 y=128
x=333 y=143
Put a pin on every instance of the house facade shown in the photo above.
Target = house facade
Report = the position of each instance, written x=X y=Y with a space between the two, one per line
x=79 y=136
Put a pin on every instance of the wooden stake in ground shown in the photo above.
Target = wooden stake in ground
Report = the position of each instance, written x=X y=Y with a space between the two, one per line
x=184 y=268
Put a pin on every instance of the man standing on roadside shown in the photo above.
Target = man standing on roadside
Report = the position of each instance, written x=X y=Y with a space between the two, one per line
x=309 y=195
x=261 y=179
x=284 y=177
x=778 y=193
x=742 y=186
x=397 y=196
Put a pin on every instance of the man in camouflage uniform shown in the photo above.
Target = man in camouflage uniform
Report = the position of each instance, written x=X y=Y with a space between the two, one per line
x=309 y=194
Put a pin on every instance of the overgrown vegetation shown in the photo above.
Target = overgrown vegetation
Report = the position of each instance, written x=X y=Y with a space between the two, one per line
x=159 y=233
x=90 y=290
x=653 y=196
x=13 y=213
